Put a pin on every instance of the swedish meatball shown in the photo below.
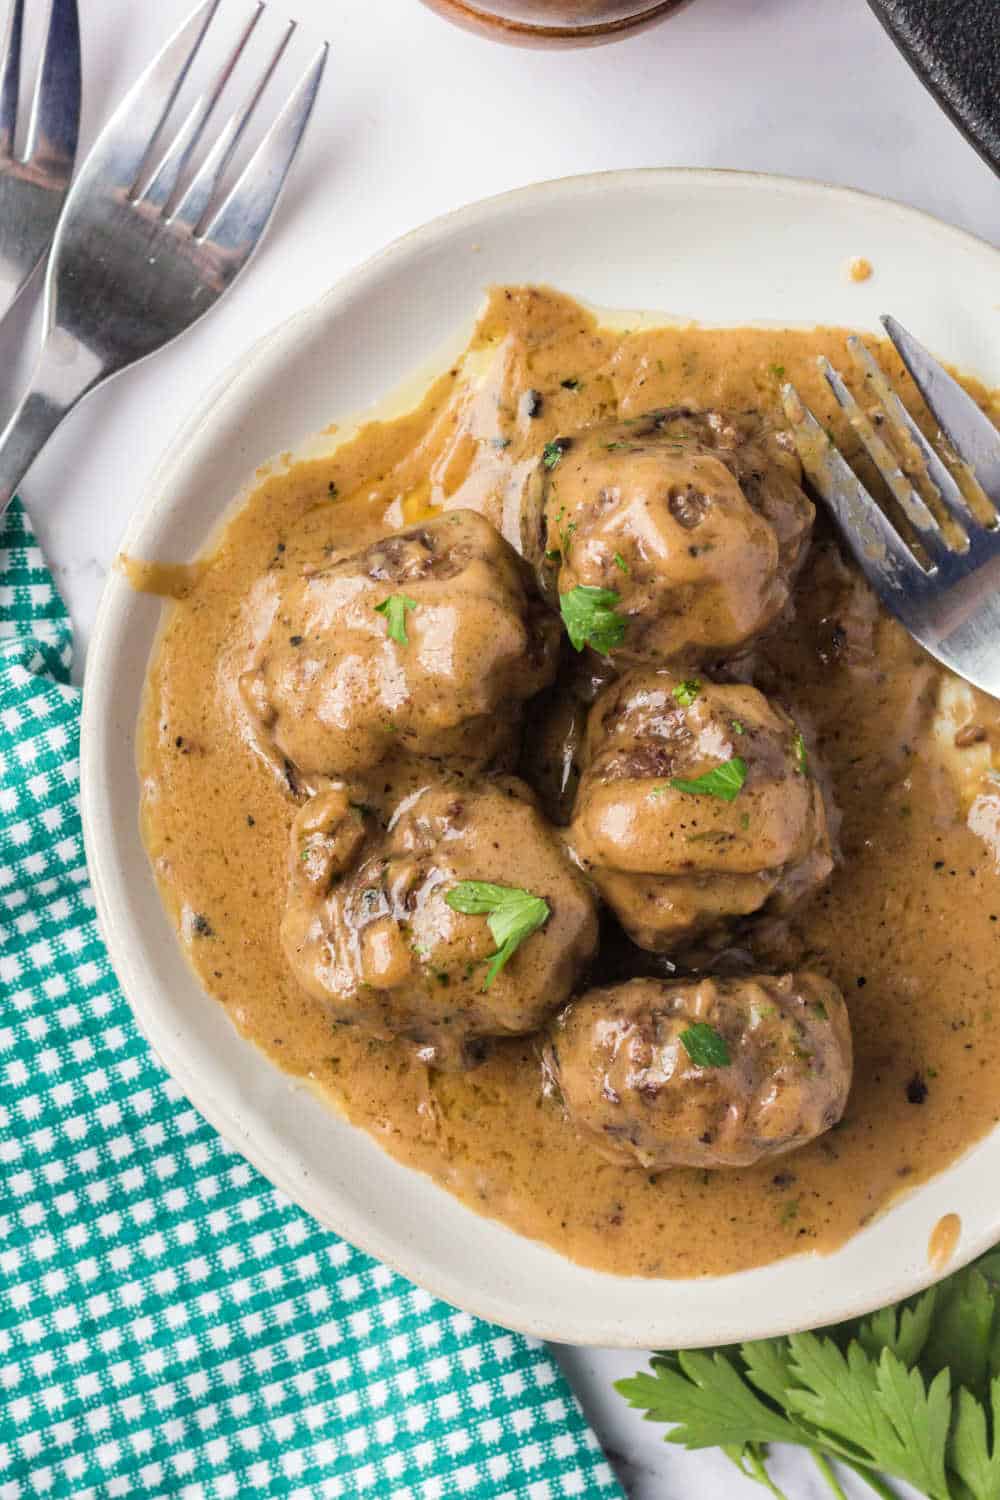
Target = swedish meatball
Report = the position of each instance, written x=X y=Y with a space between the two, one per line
x=696 y=804
x=425 y=643
x=368 y=929
x=695 y=520
x=717 y=1073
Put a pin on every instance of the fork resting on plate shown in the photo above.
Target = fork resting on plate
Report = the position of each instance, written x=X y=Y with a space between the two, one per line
x=949 y=599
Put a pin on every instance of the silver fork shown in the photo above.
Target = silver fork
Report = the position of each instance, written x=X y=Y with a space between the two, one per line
x=34 y=184
x=140 y=254
x=950 y=603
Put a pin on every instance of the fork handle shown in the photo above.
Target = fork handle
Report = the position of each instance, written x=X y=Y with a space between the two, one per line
x=64 y=374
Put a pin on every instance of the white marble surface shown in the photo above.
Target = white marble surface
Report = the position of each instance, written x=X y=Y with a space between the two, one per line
x=417 y=117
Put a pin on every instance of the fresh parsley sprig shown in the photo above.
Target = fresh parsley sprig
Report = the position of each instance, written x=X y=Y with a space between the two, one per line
x=512 y=915
x=687 y=691
x=590 y=619
x=801 y=754
x=706 y=1047
x=911 y=1393
x=394 y=608
x=724 y=781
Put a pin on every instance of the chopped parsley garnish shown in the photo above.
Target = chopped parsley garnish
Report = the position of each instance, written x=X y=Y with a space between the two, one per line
x=744 y=820
x=394 y=608
x=801 y=757
x=511 y=914
x=620 y=563
x=705 y=1047
x=589 y=616
x=738 y=726
x=686 y=692
x=565 y=536
x=725 y=781
x=778 y=371
x=551 y=454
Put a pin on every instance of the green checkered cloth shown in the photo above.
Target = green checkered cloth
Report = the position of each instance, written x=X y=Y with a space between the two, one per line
x=170 y=1324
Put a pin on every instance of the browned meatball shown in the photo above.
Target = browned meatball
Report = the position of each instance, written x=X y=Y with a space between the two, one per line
x=696 y=521
x=745 y=825
x=426 y=643
x=368 y=928
x=715 y=1073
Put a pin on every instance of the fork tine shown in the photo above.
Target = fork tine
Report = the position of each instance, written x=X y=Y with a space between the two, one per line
x=878 y=548
x=239 y=222
x=887 y=463
x=129 y=136
x=168 y=171
x=150 y=100
x=969 y=430
x=10 y=77
x=193 y=205
x=948 y=492
x=55 y=108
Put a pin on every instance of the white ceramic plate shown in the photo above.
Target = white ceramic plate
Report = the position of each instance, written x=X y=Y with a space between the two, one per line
x=718 y=247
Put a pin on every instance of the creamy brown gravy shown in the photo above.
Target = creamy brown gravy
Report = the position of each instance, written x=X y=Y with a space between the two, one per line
x=908 y=926
x=943 y=1240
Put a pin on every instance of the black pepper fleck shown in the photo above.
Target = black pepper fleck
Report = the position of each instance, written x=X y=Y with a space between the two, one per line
x=916 y=1090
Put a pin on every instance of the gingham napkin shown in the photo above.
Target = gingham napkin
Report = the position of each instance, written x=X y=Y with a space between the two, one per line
x=170 y=1324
